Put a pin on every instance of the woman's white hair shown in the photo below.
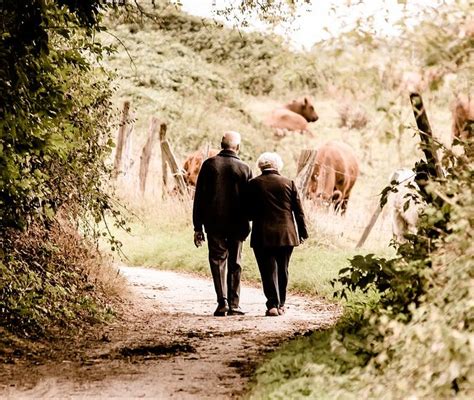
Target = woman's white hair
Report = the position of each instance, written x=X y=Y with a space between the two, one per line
x=270 y=160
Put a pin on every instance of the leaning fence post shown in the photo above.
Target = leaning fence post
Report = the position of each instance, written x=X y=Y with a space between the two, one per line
x=164 y=165
x=127 y=158
x=369 y=227
x=146 y=154
x=121 y=139
x=169 y=158
x=174 y=167
x=426 y=135
x=304 y=170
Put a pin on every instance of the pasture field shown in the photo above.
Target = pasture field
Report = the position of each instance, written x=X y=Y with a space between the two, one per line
x=164 y=239
x=198 y=113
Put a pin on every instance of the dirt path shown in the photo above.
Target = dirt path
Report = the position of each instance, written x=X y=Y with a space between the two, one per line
x=167 y=345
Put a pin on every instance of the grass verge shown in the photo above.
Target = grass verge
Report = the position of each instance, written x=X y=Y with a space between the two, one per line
x=166 y=242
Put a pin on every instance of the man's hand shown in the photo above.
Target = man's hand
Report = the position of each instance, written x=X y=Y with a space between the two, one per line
x=199 y=239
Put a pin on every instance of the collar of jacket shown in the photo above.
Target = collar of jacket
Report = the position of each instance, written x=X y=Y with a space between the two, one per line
x=270 y=171
x=229 y=153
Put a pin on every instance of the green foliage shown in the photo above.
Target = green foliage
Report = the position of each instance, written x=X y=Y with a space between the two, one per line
x=448 y=49
x=398 y=284
x=415 y=340
x=402 y=280
x=54 y=111
x=269 y=11
x=45 y=281
x=259 y=63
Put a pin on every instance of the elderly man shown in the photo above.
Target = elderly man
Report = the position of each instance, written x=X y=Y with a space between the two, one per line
x=218 y=206
x=274 y=206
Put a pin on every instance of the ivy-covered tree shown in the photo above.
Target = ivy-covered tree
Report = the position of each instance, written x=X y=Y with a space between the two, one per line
x=55 y=115
x=54 y=110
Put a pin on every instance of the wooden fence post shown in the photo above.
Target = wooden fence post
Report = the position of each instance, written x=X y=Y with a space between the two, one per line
x=146 y=153
x=304 y=170
x=121 y=139
x=168 y=157
x=164 y=165
x=206 y=153
x=303 y=159
x=127 y=158
x=369 y=227
x=426 y=135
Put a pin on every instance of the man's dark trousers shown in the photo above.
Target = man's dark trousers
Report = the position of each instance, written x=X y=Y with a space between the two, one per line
x=273 y=265
x=225 y=254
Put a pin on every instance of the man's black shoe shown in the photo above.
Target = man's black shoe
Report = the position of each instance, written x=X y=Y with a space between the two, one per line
x=221 y=310
x=236 y=311
x=272 y=312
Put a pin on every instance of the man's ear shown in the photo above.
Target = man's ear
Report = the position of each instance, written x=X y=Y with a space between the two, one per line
x=237 y=148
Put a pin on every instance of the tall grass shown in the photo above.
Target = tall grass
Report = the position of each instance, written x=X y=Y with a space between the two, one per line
x=187 y=83
x=162 y=237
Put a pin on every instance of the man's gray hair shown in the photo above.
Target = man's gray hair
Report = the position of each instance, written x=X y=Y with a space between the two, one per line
x=230 y=140
x=270 y=160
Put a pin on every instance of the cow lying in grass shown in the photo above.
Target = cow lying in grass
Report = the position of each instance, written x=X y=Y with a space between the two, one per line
x=293 y=116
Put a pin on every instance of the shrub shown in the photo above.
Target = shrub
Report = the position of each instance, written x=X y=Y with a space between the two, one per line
x=259 y=63
x=50 y=279
x=352 y=117
x=55 y=113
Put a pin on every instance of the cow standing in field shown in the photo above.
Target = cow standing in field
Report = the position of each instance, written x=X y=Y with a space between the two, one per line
x=192 y=165
x=463 y=117
x=403 y=204
x=293 y=116
x=335 y=171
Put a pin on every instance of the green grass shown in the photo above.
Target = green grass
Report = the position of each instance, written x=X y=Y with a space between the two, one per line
x=166 y=242
x=291 y=371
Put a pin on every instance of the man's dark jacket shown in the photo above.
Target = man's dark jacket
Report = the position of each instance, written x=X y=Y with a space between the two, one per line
x=273 y=204
x=218 y=201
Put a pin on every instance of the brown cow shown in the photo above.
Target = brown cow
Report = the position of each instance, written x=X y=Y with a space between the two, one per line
x=463 y=117
x=192 y=165
x=335 y=172
x=293 y=116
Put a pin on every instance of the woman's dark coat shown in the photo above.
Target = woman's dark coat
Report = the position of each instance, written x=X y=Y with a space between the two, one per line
x=274 y=206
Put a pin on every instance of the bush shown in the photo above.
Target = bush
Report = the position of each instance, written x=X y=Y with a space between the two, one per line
x=352 y=117
x=55 y=113
x=52 y=279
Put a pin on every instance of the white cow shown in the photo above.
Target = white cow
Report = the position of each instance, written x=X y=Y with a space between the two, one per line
x=404 y=216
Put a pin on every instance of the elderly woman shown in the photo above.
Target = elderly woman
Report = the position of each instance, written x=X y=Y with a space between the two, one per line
x=274 y=206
